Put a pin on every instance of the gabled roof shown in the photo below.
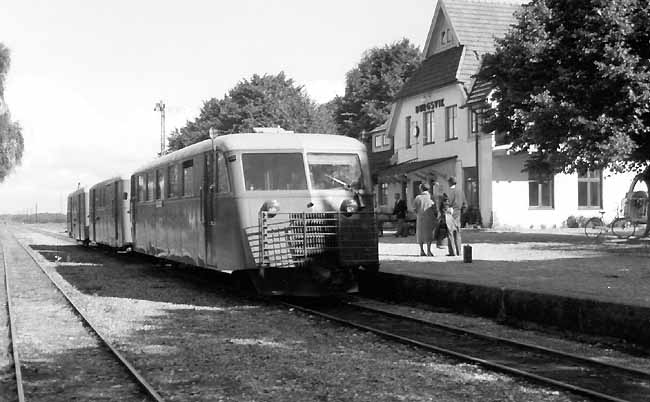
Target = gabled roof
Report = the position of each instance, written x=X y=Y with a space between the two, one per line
x=434 y=72
x=476 y=23
x=480 y=91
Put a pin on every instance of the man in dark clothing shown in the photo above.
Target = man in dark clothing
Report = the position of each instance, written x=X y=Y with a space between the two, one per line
x=399 y=210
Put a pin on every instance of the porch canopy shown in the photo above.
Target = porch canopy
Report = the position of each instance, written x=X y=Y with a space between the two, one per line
x=431 y=169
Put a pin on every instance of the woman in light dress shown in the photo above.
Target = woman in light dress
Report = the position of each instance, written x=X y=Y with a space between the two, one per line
x=426 y=215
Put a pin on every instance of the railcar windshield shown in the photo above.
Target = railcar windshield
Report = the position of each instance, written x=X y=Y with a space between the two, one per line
x=274 y=171
x=330 y=171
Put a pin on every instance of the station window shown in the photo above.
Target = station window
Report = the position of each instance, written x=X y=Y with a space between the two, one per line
x=160 y=184
x=223 y=182
x=407 y=130
x=540 y=191
x=188 y=176
x=474 y=121
x=428 y=127
x=151 y=182
x=386 y=140
x=378 y=142
x=383 y=194
x=451 y=112
x=590 y=184
x=172 y=188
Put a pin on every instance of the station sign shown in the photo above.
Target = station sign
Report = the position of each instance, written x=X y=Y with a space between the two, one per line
x=430 y=105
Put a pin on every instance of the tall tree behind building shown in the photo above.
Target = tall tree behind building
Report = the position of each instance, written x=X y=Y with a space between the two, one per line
x=372 y=84
x=573 y=85
x=261 y=101
x=11 y=138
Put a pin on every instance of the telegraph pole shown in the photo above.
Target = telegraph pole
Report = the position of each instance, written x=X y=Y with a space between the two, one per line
x=160 y=107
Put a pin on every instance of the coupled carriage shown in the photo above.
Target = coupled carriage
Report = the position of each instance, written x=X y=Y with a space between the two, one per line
x=294 y=212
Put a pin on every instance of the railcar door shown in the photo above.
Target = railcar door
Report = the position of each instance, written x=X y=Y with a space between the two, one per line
x=115 y=209
x=93 y=214
x=208 y=188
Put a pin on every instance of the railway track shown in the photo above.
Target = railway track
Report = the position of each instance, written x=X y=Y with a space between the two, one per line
x=577 y=374
x=141 y=387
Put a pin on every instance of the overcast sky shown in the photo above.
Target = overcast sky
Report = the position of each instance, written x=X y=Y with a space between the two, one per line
x=85 y=75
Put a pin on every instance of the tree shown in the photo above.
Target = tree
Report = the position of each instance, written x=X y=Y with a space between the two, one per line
x=262 y=101
x=11 y=138
x=323 y=118
x=572 y=84
x=372 y=84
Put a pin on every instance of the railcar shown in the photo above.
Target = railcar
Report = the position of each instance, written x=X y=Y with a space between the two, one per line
x=292 y=211
x=109 y=221
x=77 y=215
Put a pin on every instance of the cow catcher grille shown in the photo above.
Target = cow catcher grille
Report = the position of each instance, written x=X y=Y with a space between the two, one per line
x=290 y=240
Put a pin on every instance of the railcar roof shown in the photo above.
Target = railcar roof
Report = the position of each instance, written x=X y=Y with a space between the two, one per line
x=263 y=142
x=107 y=181
x=77 y=191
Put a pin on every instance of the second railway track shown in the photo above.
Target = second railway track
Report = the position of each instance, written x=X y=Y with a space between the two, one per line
x=583 y=376
x=37 y=374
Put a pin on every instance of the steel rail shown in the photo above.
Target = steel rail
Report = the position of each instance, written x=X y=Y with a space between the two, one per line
x=533 y=347
x=12 y=330
x=134 y=373
x=459 y=355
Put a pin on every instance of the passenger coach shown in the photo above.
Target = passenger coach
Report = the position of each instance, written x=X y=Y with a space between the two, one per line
x=109 y=221
x=78 y=215
x=294 y=211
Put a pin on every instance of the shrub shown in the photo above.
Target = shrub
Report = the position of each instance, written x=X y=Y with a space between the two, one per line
x=572 y=222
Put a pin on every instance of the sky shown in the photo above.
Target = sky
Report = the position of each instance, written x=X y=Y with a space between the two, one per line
x=85 y=75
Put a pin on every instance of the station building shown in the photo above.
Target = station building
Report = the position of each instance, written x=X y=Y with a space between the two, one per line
x=434 y=132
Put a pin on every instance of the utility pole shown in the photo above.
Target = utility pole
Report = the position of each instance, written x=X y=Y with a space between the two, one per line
x=160 y=107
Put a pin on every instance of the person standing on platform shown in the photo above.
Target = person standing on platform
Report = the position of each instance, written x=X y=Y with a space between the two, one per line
x=399 y=210
x=437 y=197
x=457 y=205
x=425 y=212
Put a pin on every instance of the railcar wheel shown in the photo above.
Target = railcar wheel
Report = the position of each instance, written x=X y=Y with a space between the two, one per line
x=594 y=228
x=623 y=228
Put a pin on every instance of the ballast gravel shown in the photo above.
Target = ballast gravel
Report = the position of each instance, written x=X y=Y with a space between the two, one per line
x=196 y=340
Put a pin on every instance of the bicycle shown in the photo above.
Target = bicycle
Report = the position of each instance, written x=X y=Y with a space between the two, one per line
x=621 y=227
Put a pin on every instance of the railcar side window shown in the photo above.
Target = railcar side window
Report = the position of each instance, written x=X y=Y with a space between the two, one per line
x=160 y=184
x=151 y=178
x=223 y=182
x=188 y=175
x=329 y=171
x=172 y=188
x=141 y=188
x=274 y=172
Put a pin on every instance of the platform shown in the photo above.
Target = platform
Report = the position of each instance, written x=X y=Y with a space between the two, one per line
x=557 y=278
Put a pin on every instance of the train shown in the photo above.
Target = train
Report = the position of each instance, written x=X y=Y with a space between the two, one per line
x=292 y=212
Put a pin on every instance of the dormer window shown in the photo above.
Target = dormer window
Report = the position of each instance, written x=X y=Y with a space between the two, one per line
x=442 y=38
x=448 y=35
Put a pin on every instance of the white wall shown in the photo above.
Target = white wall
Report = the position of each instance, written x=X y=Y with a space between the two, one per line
x=510 y=196
x=463 y=147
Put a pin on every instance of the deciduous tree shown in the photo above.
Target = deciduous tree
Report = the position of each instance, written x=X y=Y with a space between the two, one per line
x=11 y=138
x=573 y=85
x=372 y=84
x=261 y=101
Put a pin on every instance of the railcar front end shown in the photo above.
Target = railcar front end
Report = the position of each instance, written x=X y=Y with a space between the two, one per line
x=308 y=217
